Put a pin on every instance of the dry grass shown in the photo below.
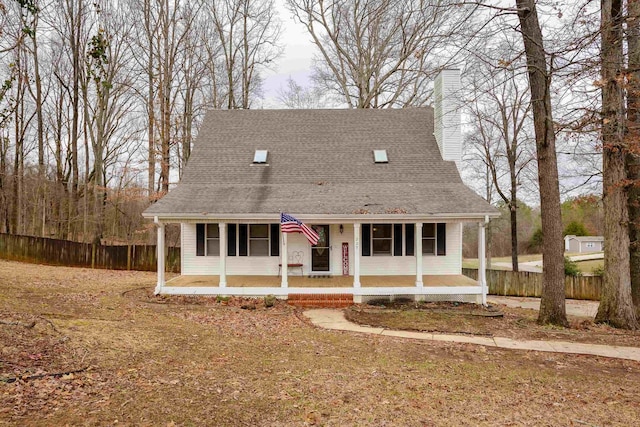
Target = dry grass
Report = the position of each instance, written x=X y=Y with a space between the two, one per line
x=516 y=323
x=590 y=265
x=192 y=361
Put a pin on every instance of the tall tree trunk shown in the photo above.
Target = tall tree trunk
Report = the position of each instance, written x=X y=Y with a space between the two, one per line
x=633 y=139
x=150 y=101
x=75 y=15
x=514 y=235
x=40 y=199
x=552 y=305
x=616 y=306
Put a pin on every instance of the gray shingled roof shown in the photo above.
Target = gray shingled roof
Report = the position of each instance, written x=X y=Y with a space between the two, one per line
x=320 y=162
x=587 y=238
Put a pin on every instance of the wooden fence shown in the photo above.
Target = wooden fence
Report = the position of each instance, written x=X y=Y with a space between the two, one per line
x=528 y=284
x=64 y=252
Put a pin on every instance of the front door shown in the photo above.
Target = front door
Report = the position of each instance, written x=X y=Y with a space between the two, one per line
x=320 y=252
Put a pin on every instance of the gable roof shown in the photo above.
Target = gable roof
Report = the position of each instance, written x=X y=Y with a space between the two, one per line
x=319 y=162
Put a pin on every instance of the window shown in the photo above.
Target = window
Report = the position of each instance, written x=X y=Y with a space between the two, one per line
x=207 y=240
x=259 y=240
x=380 y=156
x=213 y=240
x=428 y=239
x=387 y=239
x=590 y=245
x=260 y=156
x=254 y=239
x=381 y=237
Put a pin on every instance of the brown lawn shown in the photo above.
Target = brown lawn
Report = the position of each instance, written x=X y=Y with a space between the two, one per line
x=195 y=361
x=497 y=321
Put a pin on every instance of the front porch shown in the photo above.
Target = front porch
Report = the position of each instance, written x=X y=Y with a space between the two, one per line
x=319 y=281
x=227 y=259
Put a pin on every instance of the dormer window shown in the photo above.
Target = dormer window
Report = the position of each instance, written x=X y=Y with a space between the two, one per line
x=260 y=156
x=380 y=156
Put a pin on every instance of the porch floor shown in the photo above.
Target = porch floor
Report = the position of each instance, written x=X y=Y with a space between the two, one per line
x=321 y=282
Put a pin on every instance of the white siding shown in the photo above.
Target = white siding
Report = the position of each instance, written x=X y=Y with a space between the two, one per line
x=253 y=265
x=574 y=245
x=370 y=265
x=191 y=264
x=596 y=246
x=452 y=262
x=387 y=265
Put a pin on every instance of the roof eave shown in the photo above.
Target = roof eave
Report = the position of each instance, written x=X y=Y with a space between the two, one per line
x=322 y=218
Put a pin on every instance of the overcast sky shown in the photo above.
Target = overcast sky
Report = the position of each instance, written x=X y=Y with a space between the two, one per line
x=294 y=62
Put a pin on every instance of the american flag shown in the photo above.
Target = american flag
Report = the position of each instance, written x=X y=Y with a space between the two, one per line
x=289 y=224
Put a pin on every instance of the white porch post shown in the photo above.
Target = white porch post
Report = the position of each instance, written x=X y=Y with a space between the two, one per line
x=160 y=255
x=356 y=255
x=284 y=261
x=419 y=254
x=222 y=228
x=482 y=260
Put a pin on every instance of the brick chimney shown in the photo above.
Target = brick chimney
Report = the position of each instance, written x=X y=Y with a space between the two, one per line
x=447 y=108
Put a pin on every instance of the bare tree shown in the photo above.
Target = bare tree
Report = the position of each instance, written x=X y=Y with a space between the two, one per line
x=107 y=101
x=248 y=31
x=297 y=96
x=499 y=113
x=552 y=305
x=376 y=54
x=616 y=304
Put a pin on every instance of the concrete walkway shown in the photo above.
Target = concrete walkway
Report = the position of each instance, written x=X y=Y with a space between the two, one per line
x=334 y=319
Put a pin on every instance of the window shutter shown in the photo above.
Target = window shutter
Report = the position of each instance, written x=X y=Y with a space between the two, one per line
x=275 y=239
x=397 y=239
x=243 y=235
x=231 y=239
x=410 y=239
x=199 y=239
x=366 y=240
x=442 y=238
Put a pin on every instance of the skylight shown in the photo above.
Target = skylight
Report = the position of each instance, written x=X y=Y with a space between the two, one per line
x=380 y=156
x=260 y=156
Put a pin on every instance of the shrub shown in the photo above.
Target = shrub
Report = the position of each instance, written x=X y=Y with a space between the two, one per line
x=269 y=301
x=571 y=268
x=535 y=242
x=598 y=271
x=575 y=228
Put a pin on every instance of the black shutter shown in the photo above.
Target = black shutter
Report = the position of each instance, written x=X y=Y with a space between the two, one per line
x=275 y=239
x=231 y=240
x=442 y=238
x=243 y=235
x=397 y=239
x=366 y=239
x=410 y=239
x=199 y=239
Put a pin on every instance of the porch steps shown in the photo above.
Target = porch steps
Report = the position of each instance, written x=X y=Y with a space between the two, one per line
x=320 y=300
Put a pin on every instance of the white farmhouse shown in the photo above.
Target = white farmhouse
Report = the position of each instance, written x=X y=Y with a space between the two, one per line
x=380 y=187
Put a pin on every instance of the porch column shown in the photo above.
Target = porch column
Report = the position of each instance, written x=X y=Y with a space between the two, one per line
x=160 y=255
x=482 y=260
x=419 y=254
x=284 y=261
x=356 y=255
x=222 y=228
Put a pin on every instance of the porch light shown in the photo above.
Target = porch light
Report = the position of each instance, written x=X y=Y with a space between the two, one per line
x=341 y=229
